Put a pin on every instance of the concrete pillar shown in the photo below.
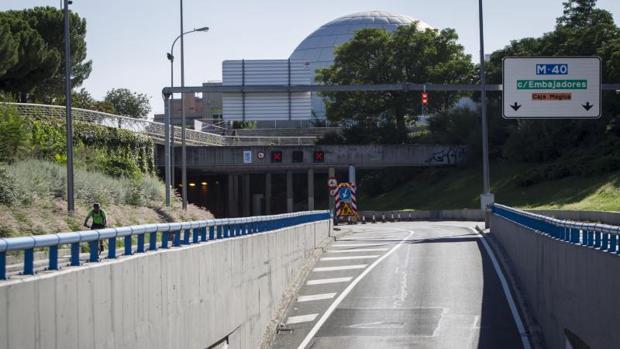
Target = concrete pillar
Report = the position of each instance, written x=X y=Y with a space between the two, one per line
x=231 y=195
x=332 y=201
x=268 y=193
x=310 y=189
x=235 y=195
x=289 y=191
x=246 y=204
x=352 y=174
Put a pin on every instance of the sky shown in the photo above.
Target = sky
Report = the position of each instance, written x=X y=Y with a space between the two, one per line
x=127 y=40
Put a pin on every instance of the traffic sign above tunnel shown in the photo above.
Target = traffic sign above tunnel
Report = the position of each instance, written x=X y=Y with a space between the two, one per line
x=551 y=87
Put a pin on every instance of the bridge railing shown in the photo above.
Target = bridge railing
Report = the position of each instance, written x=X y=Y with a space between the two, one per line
x=602 y=237
x=154 y=129
x=164 y=235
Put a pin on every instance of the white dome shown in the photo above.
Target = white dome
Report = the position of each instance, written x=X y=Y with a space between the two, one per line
x=317 y=50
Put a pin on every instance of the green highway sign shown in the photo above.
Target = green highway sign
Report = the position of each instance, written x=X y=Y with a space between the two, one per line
x=551 y=87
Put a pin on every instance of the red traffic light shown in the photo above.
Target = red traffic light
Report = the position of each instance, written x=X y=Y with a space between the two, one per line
x=319 y=156
x=424 y=98
x=276 y=156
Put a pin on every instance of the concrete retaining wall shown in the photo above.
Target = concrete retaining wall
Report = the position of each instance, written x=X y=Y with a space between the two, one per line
x=566 y=286
x=426 y=215
x=189 y=297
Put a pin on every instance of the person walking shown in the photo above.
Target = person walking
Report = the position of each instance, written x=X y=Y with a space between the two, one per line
x=99 y=221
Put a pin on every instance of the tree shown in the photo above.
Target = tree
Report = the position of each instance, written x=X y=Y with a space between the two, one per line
x=375 y=56
x=582 y=30
x=83 y=99
x=38 y=72
x=128 y=103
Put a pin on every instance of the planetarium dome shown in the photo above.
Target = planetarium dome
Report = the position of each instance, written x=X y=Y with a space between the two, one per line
x=317 y=50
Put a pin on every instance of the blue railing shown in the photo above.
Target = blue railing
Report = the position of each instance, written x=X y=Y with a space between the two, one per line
x=159 y=236
x=600 y=236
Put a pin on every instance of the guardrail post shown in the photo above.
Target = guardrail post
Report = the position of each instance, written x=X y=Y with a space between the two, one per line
x=203 y=234
x=153 y=241
x=2 y=265
x=29 y=261
x=176 y=241
x=140 y=243
x=613 y=240
x=220 y=231
x=53 y=258
x=597 y=239
x=211 y=232
x=165 y=236
x=605 y=241
x=127 y=244
x=93 y=247
x=112 y=248
x=186 y=234
x=195 y=235
x=75 y=254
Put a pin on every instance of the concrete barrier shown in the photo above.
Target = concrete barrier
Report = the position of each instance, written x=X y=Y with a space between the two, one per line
x=428 y=215
x=194 y=296
x=569 y=288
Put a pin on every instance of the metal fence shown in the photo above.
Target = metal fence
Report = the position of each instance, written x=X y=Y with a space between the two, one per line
x=602 y=237
x=163 y=236
x=153 y=129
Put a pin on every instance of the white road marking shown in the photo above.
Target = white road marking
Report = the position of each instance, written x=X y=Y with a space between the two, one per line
x=343 y=267
x=316 y=297
x=349 y=258
x=301 y=318
x=358 y=250
x=356 y=245
x=346 y=291
x=511 y=303
x=329 y=281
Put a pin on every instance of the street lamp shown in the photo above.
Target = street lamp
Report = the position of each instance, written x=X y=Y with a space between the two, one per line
x=487 y=197
x=69 y=117
x=170 y=173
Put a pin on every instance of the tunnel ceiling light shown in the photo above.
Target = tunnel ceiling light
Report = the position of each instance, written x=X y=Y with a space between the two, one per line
x=204 y=183
x=192 y=184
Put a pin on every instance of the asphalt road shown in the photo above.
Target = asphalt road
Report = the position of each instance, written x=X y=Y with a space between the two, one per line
x=402 y=285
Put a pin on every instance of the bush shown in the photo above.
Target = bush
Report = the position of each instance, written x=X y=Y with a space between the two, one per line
x=9 y=193
x=14 y=131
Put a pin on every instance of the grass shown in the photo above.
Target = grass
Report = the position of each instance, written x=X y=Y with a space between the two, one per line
x=460 y=187
x=39 y=199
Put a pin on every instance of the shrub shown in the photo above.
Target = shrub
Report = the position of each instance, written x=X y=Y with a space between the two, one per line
x=14 y=131
x=9 y=192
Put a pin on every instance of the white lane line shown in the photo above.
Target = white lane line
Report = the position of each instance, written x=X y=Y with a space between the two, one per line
x=349 y=258
x=329 y=281
x=301 y=318
x=344 y=293
x=358 y=250
x=511 y=303
x=343 y=267
x=356 y=245
x=316 y=297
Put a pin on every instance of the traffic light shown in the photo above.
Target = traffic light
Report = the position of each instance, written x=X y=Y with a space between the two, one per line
x=319 y=156
x=424 y=98
x=276 y=156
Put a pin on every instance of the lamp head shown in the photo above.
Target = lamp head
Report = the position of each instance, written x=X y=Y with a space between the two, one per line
x=202 y=29
x=170 y=56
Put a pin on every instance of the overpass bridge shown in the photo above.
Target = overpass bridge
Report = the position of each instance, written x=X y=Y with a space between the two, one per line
x=292 y=281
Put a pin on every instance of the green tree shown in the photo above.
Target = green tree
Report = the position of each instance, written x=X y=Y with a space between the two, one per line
x=8 y=48
x=375 y=56
x=582 y=30
x=83 y=99
x=128 y=103
x=38 y=73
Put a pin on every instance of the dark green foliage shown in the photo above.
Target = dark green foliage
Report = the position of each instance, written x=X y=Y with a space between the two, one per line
x=36 y=37
x=128 y=103
x=375 y=56
x=9 y=193
x=111 y=151
x=14 y=130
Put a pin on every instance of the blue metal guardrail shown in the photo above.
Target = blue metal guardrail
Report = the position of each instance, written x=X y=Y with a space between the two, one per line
x=600 y=236
x=179 y=233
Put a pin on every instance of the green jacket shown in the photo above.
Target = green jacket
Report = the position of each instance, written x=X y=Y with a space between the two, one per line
x=98 y=217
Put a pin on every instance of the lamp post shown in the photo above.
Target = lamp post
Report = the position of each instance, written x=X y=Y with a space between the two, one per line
x=170 y=173
x=487 y=197
x=69 y=117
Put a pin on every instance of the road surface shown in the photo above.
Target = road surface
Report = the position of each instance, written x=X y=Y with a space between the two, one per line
x=403 y=285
